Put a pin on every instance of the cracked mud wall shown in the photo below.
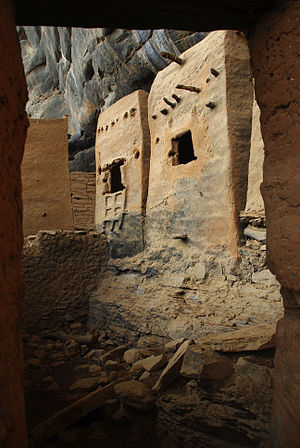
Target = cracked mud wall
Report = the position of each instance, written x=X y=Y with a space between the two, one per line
x=275 y=51
x=13 y=123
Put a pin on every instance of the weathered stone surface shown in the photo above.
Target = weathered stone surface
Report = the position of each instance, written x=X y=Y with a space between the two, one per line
x=82 y=72
x=207 y=364
x=172 y=369
x=136 y=395
x=45 y=177
x=139 y=303
x=248 y=339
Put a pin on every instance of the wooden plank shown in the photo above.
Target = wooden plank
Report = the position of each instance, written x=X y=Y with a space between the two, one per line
x=72 y=413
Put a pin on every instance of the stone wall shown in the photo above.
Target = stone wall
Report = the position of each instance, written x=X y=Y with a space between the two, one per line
x=274 y=49
x=13 y=123
x=60 y=270
x=83 y=191
x=45 y=177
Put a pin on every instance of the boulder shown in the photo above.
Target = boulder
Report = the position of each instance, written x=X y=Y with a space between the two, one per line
x=256 y=233
x=85 y=384
x=95 y=354
x=151 y=363
x=114 y=354
x=136 y=395
x=134 y=354
x=206 y=364
x=95 y=369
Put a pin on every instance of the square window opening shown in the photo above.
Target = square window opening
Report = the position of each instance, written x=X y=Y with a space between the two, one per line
x=182 y=149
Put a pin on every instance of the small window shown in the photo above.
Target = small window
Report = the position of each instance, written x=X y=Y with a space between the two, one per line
x=182 y=149
x=116 y=178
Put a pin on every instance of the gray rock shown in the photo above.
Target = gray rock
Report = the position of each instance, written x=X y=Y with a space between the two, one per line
x=264 y=277
x=256 y=233
x=207 y=364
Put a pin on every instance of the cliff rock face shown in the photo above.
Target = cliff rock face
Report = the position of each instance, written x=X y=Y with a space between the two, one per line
x=81 y=72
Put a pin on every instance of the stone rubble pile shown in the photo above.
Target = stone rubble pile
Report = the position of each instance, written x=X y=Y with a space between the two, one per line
x=180 y=392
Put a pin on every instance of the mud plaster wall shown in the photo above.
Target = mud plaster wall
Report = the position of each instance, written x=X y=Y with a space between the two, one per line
x=45 y=177
x=60 y=270
x=275 y=48
x=200 y=199
x=13 y=123
x=123 y=135
x=255 y=203
x=83 y=191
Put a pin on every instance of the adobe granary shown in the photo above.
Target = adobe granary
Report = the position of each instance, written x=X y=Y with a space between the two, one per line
x=200 y=116
x=122 y=170
x=45 y=177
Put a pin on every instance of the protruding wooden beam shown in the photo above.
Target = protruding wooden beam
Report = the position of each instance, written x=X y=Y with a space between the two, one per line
x=172 y=57
x=176 y=97
x=214 y=72
x=210 y=105
x=188 y=88
x=164 y=111
x=169 y=103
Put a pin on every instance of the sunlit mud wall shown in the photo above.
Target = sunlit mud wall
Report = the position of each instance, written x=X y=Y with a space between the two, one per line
x=45 y=177
x=200 y=113
x=122 y=160
x=255 y=204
